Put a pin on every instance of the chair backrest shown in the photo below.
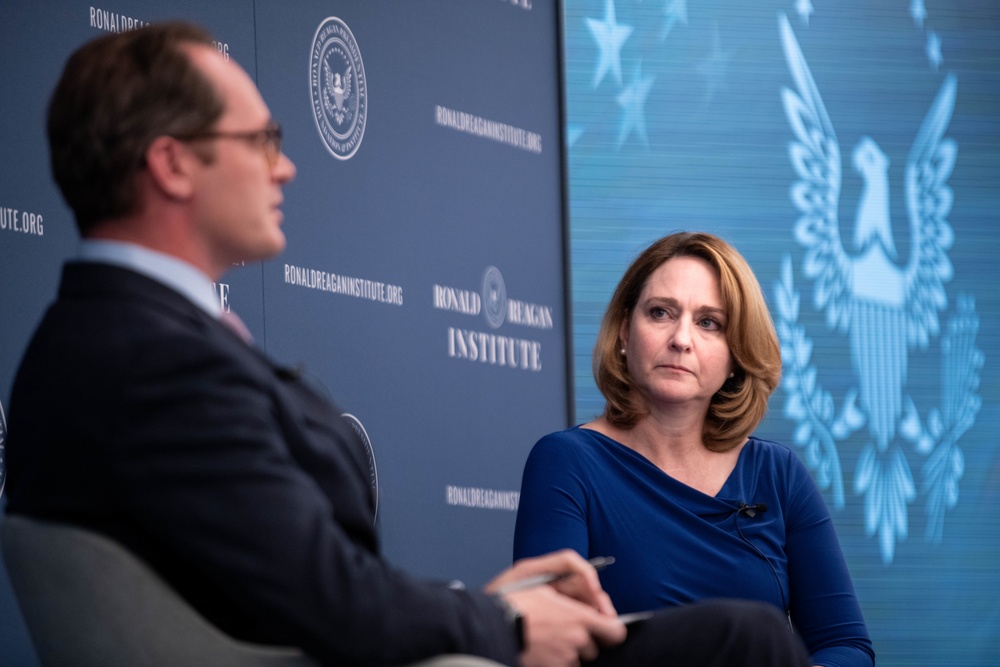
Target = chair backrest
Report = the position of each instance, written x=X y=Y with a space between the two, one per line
x=89 y=602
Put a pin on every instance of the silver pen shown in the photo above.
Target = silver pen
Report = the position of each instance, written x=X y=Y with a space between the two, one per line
x=599 y=563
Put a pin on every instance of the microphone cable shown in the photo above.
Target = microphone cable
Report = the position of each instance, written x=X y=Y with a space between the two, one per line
x=751 y=511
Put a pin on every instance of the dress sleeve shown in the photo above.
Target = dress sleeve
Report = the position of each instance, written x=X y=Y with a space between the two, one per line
x=552 y=513
x=824 y=607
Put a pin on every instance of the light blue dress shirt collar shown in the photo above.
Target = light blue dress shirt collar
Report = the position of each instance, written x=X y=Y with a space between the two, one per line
x=172 y=272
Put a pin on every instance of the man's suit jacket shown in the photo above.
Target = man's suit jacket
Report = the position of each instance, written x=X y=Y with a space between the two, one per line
x=136 y=414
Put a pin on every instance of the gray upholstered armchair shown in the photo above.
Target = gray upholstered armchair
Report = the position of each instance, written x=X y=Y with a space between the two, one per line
x=88 y=602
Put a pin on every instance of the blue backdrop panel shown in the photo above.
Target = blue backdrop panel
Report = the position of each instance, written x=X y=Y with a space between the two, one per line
x=457 y=171
x=683 y=115
x=422 y=285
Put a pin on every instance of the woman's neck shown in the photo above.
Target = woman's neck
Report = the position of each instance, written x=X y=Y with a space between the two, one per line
x=675 y=447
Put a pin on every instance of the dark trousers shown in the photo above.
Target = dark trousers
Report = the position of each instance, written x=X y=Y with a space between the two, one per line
x=712 y=633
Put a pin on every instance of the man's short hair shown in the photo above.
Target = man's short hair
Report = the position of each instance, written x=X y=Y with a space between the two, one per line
x=117 y=94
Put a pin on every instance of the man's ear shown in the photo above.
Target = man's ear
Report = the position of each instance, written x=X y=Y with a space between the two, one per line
x=169 y=162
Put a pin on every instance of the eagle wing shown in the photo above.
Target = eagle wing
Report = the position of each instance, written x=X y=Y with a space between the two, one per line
x=815 y=155
x=928 y=201
x=348 y=75
x=328 y=75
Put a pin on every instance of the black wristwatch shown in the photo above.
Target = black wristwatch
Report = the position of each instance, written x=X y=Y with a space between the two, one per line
x=514 y=617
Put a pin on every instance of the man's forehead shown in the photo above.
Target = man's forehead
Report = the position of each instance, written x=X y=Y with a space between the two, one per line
x=204 y=56
x=233 y=84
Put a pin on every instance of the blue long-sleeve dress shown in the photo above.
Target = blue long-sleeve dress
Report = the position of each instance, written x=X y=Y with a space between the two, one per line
x=673 y=544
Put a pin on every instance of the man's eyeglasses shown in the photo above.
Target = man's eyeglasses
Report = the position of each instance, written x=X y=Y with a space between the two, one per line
x=269 y=139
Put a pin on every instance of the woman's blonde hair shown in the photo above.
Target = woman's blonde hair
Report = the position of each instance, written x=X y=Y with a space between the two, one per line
x=738 y=407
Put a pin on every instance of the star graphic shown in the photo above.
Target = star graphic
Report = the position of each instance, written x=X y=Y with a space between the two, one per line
x=805 y=10
x=918 y=11
x=610 y=37
x=934 y=50
x=632 y=100
x=714 y=68
x=675 y=11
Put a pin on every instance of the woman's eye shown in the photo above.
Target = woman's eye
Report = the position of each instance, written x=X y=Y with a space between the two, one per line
x=658 y=313
x=710 y=324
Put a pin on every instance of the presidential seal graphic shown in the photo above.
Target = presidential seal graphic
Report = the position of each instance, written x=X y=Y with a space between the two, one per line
x=338 y=88
x=369 y=455
x=886 y=306
x=494 y=297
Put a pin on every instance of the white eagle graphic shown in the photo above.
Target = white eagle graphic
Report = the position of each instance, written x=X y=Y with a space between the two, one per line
x=886 y=306
x=338 y=86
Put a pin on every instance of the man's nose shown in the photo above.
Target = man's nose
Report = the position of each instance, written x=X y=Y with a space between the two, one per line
x=284 y=170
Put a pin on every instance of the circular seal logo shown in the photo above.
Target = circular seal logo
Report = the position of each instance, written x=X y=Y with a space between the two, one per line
x=369 y=455
x=338 y=88
x=494 y=297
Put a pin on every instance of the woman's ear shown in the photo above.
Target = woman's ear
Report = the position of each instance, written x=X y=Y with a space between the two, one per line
x=623 y=335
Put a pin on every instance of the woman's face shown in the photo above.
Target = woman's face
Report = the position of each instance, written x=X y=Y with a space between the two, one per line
x=675 y=340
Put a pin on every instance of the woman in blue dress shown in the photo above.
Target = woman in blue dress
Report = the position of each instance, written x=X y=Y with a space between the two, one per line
x=669 y=479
